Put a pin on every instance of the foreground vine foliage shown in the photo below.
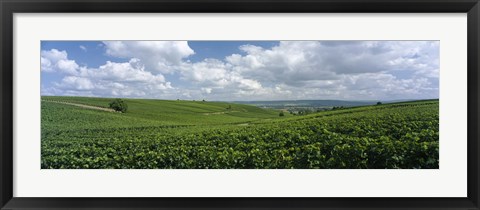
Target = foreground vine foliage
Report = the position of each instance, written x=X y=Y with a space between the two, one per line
x=157 y=134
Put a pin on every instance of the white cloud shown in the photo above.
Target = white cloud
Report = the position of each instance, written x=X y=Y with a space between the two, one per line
x=46 y=65
x=215 y=76
x=294 y=61
x=373 y=70
x=385 y=86
x=111 y=79
x=68 y=66
x=54 y=55
x=57 y=61
x=131 y=71
x=318 y=70
x=209 y=72
x=83 y=48
x=76 y=83
x=158 y=56
x=206 y=90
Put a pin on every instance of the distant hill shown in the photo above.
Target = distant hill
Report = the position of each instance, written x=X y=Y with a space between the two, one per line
x=307 y=103
x=281 y=104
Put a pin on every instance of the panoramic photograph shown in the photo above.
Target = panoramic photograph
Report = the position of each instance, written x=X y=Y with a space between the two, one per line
x=239 y=104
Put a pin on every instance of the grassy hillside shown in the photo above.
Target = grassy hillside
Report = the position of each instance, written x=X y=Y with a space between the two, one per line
x=144 y=112
x=196 y=134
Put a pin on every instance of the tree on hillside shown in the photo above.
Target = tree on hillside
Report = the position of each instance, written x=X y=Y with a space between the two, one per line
x=281 y=114
x=379 y=103
x=119 y=105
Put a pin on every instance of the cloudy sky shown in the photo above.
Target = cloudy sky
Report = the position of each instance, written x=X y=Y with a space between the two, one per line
x=242 y=70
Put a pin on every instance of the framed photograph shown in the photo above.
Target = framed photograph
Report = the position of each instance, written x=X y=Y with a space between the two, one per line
x=263 y=104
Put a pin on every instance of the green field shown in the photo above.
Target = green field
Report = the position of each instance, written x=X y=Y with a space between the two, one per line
x=197 y=134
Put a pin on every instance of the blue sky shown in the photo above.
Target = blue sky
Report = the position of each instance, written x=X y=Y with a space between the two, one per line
x=242 y=70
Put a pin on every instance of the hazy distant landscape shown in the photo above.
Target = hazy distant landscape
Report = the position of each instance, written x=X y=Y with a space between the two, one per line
x=239 y=105
x=296 y=106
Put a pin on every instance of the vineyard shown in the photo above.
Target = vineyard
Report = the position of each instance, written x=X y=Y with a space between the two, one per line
x=162 y=134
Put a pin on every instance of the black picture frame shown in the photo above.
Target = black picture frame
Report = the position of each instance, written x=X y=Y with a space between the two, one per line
x=9 y=7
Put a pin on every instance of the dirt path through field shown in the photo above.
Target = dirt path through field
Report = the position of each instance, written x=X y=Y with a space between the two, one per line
x=82 y=105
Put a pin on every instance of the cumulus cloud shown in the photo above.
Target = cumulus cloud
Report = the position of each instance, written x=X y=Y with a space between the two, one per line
x=76 y=83
x=218 y=80
x=111 y=79
x=347 y=69
x=358 y=70
x=131 y=71
x=296 y=61
x=55 y=60
x=159 y=56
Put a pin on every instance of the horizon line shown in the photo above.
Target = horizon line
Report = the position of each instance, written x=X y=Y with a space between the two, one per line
x=250 y=100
